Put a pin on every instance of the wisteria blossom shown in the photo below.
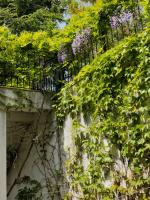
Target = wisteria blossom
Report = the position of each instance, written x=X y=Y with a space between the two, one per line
x=63 y=55
x=81 y=40
x=123 y=17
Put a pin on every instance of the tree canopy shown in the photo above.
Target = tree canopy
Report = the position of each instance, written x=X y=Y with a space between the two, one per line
x=31 y=15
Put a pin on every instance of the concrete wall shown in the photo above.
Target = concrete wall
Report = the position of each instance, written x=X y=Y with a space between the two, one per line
x=60 y=148
x=29 y=117
x=2 y=155
x=30 y=163
x=25 y=101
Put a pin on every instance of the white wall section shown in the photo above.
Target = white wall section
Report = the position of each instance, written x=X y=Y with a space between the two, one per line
x=2 y=155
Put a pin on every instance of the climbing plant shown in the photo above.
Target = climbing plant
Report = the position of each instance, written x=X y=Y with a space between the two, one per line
x=113 y=95
x=28 y=189
x=11 y=155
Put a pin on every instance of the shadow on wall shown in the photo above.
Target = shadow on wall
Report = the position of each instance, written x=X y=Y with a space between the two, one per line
x=35 y=157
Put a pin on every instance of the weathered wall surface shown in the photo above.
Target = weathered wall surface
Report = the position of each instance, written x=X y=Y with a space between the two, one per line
x=22 y=128
x=30 y=124
x=30 y=160
x=2 y=155
x=41 y=149
x=50 y=172
x=25 y=101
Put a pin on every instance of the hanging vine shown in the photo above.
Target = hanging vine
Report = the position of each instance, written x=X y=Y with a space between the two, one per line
x=113 y=94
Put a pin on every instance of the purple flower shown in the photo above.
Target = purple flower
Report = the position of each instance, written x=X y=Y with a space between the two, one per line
x=125 y=17
x=81 y=40
x=62 y=55
x=114 y=22
x=121 y=18
x=65 y=53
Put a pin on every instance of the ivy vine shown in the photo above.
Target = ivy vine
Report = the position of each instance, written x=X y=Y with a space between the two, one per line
x=113 y=94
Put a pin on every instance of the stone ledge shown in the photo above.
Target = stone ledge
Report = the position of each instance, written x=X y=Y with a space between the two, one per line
x=12 y=99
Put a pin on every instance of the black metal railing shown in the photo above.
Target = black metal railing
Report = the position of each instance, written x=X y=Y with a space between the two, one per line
x=34 y=71
x=108 y=36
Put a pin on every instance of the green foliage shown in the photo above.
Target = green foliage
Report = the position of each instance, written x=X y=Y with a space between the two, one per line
x=113 y=94
x=86 y=18
x=31 y=15
x=16 y=49
x=29 y=189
